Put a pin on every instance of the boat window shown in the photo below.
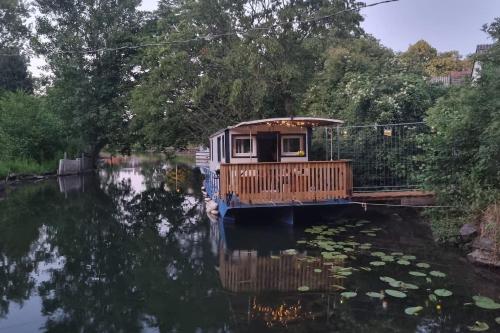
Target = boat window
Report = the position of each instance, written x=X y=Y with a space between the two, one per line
x=292 y=145
x=242 y=146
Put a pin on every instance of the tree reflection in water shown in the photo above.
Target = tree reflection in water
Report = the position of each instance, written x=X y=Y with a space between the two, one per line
x=118 y=271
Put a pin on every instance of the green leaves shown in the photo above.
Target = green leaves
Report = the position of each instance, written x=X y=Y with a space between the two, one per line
x=303 y=288
x=348 y=294
x=443 y=292
x=395 y=293
x=421 y=274
x=479 y=326
x=413 y=311
x=485 y=303
x=377 y=263
x=374 y=294
x=437 y=274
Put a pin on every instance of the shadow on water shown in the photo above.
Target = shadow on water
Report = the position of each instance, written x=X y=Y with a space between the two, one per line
x=131 y=250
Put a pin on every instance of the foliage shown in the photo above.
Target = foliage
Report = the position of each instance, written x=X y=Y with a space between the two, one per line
x=192 y=89
x=465 y=144
x=89 y=88
x=28 y=130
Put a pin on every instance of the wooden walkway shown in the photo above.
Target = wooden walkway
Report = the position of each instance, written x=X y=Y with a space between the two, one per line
x=400 y=197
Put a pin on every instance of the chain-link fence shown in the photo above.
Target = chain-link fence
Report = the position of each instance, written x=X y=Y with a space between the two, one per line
x=384 y=157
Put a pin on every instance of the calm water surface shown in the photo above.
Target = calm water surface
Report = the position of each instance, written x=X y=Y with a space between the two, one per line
x=131 y=250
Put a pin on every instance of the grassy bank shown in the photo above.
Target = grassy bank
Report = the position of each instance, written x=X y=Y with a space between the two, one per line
x=23 y=166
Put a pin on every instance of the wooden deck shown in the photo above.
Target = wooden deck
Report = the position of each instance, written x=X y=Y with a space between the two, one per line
x=256 y=183
x=401 y=197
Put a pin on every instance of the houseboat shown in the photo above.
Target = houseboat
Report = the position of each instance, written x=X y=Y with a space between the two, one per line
x=266 y=163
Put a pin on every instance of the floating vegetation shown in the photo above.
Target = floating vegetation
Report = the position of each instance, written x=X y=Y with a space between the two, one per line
x=377 y=263
x=485 y=303
x=395 y=293
x=378 y=254
x=303 y=288
x=374 y=294
x=387 y=279
x=423 y=265
x=338 y=287
x=317 y=270
x=397 y=254
x=402 y=285
x=417 y=273
x=414 y=310
x=433 y=298
x=368 y=269
x=348 y=294
x=275 y=257
x=403 y=262
x=437 y=274
x=290 y=252
x=387 y=258
x=408 y=257
x=479 y=326
x=497 y=320
x=301 y=242
x=443 y=292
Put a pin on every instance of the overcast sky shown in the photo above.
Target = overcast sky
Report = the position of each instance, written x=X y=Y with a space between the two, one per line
x=445 y=24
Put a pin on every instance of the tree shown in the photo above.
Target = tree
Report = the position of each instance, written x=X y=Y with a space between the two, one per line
x=446 y=62
x=254 y=59
x=13 y=34
x=418 y=55
x=91 y=77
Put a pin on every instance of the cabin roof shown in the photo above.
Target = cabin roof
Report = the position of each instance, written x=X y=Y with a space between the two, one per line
x=286 y=121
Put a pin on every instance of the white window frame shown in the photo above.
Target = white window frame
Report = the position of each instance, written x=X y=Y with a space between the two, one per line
x=291 y=136
x=253 y=144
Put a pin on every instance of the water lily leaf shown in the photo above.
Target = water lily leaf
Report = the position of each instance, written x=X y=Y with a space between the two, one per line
x=377 y=263
x=408 y=257
x=497 y=320
x=423 y=265
x=403 y=262
x=428 y=279
x=479 y=326
x=397 y=254
x=337 y=287
x=443 y=292
x=301 y=242
x=344 y=273
x=437 y=274
x=387 y=258
x=402 y=285
x=433 y=298
x=375 y=294
x=275 y=257
x=290 y=252
x=485 y=303
x=395 y=293
x=303 y=288
x=371 y=234
x=365 y=247
x=387 y=279
x=340 y=256
x=368 y=269
x=417 y=273
x=414 y=310
x=317 y=270
x=348 y=294
x=378 y=254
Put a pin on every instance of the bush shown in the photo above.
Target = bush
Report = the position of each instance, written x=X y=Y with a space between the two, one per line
x=26 y=167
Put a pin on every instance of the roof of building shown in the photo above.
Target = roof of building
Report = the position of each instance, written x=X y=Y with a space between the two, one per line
x=481 y=48
x=286 y=121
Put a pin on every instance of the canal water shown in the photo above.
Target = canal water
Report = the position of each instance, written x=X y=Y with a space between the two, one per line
x=132 y=250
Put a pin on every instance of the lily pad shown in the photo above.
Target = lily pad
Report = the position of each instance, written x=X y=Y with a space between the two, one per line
x=387 y=279
x=301 y=242
x=303 y=288
x=395 y=293
x=402 y=285
x=368 y=269
x=340 y=256
x=433 y=298
x=378 y=254
x=290 y=251
x=348 y=294
x=443 y=292
x=387 y=258
x=423 y=265
x=397 y=254
x=371 y=234
x=377 y=263
x=414 y=310
x=485 y=303
x=497 y=320
x=479 y=326
x=408 y=257
x=317 y=270
x=338 y=287
x=275 y=257
x=403 y=262
x=437 y=274
x=417 y=273
x=375 y=294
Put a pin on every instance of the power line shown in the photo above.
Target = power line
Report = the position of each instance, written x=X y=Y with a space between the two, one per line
x=210 y=37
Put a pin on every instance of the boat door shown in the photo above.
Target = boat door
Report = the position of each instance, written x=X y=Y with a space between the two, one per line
x=268 y=147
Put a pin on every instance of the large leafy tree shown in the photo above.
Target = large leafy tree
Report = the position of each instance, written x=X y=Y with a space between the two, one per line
x=13 y=34
x=82 y=41
x=244 y=59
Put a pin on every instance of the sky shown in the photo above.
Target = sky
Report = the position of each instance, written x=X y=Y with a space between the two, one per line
x=445 y=24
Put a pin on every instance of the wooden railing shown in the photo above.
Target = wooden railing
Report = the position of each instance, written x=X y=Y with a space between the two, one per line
x=286 y=182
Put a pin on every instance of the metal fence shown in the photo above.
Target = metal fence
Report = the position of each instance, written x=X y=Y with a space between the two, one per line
x=384 y=157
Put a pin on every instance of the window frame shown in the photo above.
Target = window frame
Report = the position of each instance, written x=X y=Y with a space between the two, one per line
x=301 y=137
x=253 y=146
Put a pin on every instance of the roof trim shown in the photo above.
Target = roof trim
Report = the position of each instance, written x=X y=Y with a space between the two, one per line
x=288 y=121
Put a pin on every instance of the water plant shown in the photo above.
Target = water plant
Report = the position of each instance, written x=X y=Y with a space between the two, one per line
x=348 y=294
x=437 y=274
x=395 y=293
x=303 y=288
x=485 y=303
x=414 y=310
x=479 y=326
x=374 y=294
x=443 y=292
